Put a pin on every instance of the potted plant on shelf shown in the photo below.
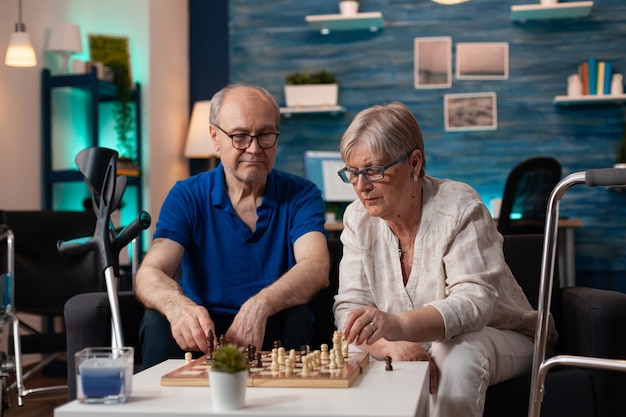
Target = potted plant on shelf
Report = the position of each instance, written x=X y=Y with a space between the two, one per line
x=348 y=7
x=317 y=89
x=228 y=378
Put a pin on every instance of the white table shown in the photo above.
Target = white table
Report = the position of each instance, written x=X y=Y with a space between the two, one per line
x=402 y=392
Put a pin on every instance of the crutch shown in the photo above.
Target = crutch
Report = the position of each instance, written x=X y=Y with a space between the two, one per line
x=541 y=366
x=98 y=166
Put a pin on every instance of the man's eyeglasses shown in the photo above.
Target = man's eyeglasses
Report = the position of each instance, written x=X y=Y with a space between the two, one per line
x=373 y=173
x=243 y=141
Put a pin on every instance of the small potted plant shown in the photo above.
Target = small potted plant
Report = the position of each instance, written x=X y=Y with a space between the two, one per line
x=348 y=7
x=228 y=378
x=317 y=89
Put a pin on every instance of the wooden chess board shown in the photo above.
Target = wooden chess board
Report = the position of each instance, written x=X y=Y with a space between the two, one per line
x=196 y=374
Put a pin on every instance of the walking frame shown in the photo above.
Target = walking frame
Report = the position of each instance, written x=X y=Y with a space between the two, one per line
x=541 y=366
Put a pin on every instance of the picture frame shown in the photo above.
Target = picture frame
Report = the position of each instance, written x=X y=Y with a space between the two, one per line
x=113 y=52
x=432 y=58
x=470 y=111
x=482 y=61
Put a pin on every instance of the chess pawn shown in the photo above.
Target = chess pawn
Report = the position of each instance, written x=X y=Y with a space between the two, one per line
x=324 y=356
x=305 y=366
x=333 y=363
x=275 y=366
x=388 y=366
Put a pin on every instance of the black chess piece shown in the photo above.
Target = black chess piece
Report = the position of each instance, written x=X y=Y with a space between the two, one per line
x=388 y=366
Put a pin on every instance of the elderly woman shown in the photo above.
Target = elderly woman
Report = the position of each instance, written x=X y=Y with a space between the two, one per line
x=423 y=275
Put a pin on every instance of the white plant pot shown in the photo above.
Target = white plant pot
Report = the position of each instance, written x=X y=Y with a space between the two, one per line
x=311 y=95
x=619 y=165
x=348 y=7
x=228 y=390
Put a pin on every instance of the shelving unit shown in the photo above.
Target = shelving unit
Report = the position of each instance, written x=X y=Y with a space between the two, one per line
x=98 y=92
x=524 y=12
x=325 y=23
x=326 y=110
x=589 y=99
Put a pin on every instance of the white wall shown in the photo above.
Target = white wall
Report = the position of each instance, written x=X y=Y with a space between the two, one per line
x=158 y=34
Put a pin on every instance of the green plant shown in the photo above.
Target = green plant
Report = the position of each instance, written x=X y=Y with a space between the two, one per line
x=229 y=358
x=112 y=51
x=319 y=77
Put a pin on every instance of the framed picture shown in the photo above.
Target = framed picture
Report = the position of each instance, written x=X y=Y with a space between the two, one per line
x=433 y=62
x=113 y=52
x=471 y=111
x=482 y=61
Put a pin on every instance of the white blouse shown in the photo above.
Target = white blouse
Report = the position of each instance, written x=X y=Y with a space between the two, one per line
x=458 y=265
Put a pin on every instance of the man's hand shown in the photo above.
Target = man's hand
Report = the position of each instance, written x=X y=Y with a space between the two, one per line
x=190 y=324
x=249 y=325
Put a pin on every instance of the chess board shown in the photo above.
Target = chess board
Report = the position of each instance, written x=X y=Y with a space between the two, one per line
x=196 y=374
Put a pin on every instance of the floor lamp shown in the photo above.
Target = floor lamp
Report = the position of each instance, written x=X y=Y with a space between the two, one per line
x=199 y=145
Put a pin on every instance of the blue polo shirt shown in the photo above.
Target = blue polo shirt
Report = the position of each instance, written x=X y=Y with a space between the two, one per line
x=224 y=262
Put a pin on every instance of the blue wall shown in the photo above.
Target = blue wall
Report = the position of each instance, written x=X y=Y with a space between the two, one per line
x=269 y=39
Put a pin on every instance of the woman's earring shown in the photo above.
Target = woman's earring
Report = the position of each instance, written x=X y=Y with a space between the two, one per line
x=415 y=177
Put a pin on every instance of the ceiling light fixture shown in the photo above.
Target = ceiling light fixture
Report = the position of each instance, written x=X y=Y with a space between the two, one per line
x=20 y=52
x=449 y=2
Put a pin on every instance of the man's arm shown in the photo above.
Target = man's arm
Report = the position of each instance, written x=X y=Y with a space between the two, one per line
x=297 y=286
x=156 y=288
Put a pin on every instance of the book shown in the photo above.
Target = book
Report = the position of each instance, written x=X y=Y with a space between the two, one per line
x=600 y=78
x=608 y=74
x=593 y=75
x=583 y=73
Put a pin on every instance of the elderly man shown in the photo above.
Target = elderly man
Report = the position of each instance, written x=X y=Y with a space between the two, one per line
x=250 y=240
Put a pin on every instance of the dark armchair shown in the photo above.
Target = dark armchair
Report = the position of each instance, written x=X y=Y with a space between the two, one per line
x=589 y=321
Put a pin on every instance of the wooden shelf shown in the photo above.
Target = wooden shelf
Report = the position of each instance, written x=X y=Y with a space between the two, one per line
x=523 y=12
x=330 y=110
x=325 y=23
x=589 y=99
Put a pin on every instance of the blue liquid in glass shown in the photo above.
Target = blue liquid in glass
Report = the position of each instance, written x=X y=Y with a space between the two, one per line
x=100 y=382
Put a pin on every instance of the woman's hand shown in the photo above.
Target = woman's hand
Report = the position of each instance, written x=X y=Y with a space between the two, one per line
x=412 y=351
x=369 y=325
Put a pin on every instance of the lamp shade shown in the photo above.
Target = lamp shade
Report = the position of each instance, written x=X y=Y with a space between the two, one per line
x=199 y=143
x=20 y=52
x=65 y=37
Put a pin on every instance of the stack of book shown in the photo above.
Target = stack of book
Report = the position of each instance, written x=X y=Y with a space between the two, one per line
x=596 y=76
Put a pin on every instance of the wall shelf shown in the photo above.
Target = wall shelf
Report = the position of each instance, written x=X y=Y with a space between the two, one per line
x=325 y=23
x=98 y=92
x=523 y=12
x=589 y=99
x=325 y=110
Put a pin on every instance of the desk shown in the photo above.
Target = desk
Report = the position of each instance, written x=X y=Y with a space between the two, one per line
x=566 y=252
x=401 y=392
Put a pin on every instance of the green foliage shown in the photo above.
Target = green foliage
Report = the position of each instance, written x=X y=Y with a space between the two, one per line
x=112 y=51
x=319 y=77
x=229 y=358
